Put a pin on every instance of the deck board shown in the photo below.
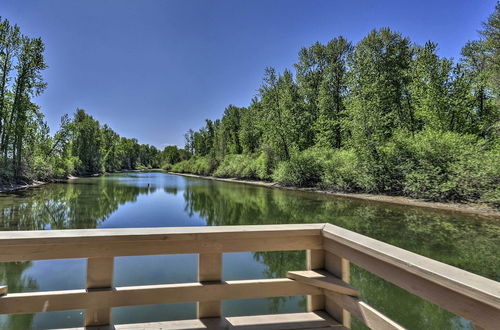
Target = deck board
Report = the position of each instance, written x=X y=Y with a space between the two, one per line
x=316 y=321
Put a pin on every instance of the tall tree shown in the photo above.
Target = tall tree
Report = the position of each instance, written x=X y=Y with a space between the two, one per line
x=430 y=89
x=88 y=143
x=332 y=94
x=491 y=34
x=10 y=41
x=273 y=120
x=28 y=83
x=250 y=133
x=380 y=67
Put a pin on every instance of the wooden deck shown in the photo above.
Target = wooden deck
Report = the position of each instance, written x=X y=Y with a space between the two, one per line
x=331 y=300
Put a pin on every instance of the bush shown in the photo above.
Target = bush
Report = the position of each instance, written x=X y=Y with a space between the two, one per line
x=236 y=166
x=264 y=165
x=196 y=165
x=429 y=157
x=143 y=167
x=344 y=170
x=441 y=166
x=301 y=170
x=476 y=176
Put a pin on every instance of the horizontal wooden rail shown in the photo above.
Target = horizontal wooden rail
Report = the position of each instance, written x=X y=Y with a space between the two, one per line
x=49 y=301
x=91 y=243
x=466 y=294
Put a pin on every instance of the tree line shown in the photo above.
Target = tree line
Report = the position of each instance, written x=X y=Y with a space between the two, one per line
x=383 y=115
x=27 y=150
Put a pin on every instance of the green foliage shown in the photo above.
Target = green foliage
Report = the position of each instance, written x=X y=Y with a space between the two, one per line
x=264 y=165
x=476 y=176
x=87 y=144
x=196 y=165
x=301 y=170
x=239 y=166
x=249 y=134
x=332 y=95
x=380 y=67
x=427 y=159
x=344 y=170
x=443 y=166
x=246 y=166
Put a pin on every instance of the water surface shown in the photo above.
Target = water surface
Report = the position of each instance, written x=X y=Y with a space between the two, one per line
x=155 y=199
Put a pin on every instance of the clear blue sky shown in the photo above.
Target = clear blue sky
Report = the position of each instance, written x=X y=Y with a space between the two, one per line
x=154 y=69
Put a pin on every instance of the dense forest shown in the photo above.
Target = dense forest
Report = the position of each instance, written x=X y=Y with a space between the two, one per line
x=384 y=115
x=27 y=150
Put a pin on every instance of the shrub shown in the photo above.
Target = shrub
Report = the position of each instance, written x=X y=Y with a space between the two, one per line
x=301 y=170
x=196 y=165
x=441 y=166
x=344 y=170
x=264 y=165
x=238 y=166
x=429 y=156
x=476 y=176
x=245 y=166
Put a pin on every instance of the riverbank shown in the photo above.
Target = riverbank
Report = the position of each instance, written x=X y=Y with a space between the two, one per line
x=401 y=200
x=6 y=188
x=72 y=177
x=11 y=187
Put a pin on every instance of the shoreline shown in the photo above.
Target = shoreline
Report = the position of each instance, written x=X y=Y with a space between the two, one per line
x=11 y=187
x=400 y=200
x=8 y=188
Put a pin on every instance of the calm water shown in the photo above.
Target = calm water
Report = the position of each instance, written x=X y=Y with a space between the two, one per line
x=157 y=200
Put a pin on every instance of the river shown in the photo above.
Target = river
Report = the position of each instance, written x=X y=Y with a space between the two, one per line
x=155 y=199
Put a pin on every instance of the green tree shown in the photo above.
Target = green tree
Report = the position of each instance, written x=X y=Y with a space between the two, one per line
x=379 y=79
x=491 y=34
x=87 y=144
x=250 y=134
x=484 y=113
x=332 y=95
x=431 y=89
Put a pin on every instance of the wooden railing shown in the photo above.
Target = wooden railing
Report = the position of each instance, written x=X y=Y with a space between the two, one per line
x=329 y=248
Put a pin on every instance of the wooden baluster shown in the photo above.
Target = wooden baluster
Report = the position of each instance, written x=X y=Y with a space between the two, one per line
x=341 y=268
x=209 y=270
x=315 y=260
x=99 y=276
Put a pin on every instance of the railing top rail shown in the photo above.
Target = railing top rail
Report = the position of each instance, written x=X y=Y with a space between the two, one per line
x=180 y=233
x=466 y=283
x=88 y=243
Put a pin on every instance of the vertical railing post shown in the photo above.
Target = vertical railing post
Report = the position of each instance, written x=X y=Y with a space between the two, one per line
x=99 y=276
x=315 y=259
x=209 y=270
x=339 y=267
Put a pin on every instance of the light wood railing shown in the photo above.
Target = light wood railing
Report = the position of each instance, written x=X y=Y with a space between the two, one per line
x=330 y=299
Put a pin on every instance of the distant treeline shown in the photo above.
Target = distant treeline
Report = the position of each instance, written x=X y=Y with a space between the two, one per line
x=27 y=150
x=384 y=115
